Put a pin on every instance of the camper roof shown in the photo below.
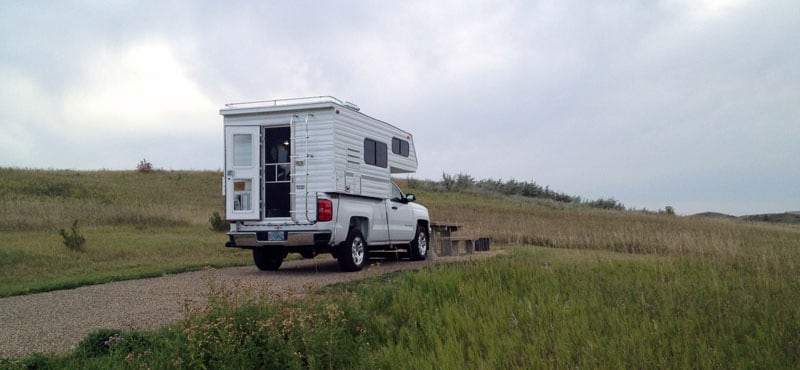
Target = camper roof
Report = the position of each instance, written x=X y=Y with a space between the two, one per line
x=311 y=102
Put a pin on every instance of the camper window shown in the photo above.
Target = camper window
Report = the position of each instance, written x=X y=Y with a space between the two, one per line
x=376 y=153
x=400 y=146
x=242 y=150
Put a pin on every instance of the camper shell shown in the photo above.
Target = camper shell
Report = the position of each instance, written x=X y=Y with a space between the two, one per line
x=301 y=174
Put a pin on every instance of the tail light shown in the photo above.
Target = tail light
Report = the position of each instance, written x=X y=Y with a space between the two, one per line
x=324 y=210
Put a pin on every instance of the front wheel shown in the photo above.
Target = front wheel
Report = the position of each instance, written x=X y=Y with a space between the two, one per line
x=418 y=249
x=352 y=254
x=267 y=260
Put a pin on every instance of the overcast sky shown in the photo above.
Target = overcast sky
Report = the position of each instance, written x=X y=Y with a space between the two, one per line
x=693 y=104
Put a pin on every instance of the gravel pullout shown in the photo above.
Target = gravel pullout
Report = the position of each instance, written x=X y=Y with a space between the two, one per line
x=57 y=321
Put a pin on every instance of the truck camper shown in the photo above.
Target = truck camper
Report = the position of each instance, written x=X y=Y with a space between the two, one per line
x=313 y=175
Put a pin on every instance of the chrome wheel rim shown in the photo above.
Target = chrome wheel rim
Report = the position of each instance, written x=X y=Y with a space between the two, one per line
x=357 y=249
x=422 y=244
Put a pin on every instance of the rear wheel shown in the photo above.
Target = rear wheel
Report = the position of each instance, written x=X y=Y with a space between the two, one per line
x=418 y=249
x=268 y=260
x=352 y=254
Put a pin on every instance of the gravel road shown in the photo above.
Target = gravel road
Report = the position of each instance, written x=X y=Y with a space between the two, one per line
x=57 y=321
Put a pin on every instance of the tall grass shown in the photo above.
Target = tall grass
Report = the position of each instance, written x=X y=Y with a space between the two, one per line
x=534 y=308
x=40 y=200
x=135 y=224
x=517 y=220
x=612 y=289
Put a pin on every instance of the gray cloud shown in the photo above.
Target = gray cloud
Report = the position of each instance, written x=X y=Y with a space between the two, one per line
x=683 y=103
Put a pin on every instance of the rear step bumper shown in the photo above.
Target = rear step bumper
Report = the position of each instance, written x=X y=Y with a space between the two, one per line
x=291 y=239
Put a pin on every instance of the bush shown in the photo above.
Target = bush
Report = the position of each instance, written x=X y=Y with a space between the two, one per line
x=73 y=240
x=98 y=342
x=218 y=223
x=144 y=166
x=102 y=342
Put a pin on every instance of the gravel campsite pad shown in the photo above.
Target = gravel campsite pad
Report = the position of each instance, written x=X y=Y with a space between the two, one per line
x=57 y=321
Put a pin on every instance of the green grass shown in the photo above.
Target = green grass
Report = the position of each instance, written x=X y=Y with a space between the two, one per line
x=535 y=308
x=37 y=261
x=547 y=308
x=39 y=200
x=136 y=225
x=612 y=289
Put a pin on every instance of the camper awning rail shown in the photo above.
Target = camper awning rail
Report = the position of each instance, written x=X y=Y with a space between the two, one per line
x=292 y=101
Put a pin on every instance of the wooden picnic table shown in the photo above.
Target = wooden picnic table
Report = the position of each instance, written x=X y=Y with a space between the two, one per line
x=444 y=229
x=444 y=244
x=441 y=232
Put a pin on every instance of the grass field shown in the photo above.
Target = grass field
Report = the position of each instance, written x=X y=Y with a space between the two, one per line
x=535 y=308
x=603 y=289
x=135 y=224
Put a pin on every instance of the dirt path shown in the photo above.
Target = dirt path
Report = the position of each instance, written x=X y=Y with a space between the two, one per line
x=57 y=321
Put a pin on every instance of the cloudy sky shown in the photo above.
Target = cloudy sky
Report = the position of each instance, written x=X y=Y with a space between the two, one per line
x=689 y=103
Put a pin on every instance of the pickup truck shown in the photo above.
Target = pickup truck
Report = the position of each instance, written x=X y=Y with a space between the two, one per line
x=348 y=227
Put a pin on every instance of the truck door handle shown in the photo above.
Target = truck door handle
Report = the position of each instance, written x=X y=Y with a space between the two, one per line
x=394 y=207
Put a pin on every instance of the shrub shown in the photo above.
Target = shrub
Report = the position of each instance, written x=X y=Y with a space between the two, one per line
x=144 y=166
x=218 y=223
x=37 y=360
x=98 y=342
x=73 y=240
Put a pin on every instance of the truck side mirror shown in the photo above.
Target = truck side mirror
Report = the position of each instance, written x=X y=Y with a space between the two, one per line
x=410 y=197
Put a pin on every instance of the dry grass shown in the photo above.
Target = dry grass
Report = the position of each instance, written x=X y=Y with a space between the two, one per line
x=551 y=224
x=684 y=293
x=32 y=200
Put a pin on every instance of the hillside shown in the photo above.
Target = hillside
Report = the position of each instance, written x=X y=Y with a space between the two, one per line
x=135 y=225
x=140 y=224
x=776 y=218
x=582 y=287
x=785 y=218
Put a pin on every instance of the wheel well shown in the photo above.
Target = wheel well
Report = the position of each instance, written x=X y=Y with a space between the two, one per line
x=424 y=224
x=360 y=224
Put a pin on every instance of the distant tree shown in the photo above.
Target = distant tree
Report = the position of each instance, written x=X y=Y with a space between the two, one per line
x=144 y=166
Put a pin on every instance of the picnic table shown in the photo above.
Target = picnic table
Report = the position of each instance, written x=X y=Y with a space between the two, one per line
x=444 y=243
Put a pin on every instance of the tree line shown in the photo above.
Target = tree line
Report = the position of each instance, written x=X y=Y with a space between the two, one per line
x=466 y=183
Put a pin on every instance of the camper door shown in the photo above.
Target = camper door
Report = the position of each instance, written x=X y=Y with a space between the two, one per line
x=242 y=185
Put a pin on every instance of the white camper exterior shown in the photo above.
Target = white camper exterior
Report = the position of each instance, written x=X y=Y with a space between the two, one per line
x=284 y=157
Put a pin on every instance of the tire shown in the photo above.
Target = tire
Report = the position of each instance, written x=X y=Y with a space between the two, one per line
x=267 y=260
x=418 y=248
x=352 y=254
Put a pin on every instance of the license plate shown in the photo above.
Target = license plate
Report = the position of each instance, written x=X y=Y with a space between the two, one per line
x=276 y=236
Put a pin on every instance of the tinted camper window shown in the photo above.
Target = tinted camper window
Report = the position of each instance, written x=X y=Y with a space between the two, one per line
x=400 y=146
x=376 y=153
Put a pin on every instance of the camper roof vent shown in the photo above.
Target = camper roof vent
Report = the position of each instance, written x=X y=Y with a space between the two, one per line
x=352 y=106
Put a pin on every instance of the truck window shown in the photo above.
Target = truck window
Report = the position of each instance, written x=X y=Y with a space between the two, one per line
x=397 y=195
x=376 y=153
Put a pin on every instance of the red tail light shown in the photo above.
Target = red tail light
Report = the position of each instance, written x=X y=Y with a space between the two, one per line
x=324 y=210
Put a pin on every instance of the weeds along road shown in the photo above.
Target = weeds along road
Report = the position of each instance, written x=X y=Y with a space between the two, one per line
x=57 y=321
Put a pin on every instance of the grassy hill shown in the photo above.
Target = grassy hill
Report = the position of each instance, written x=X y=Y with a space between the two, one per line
x=135 y=225
x=785 y=218
x=792 y=218
x=581 y=286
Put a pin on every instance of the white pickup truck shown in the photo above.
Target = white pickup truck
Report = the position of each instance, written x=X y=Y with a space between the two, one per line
x=313 y=175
